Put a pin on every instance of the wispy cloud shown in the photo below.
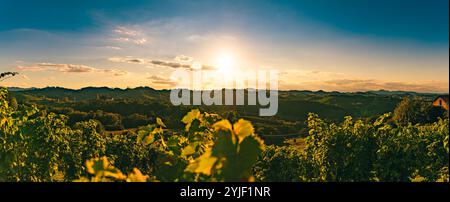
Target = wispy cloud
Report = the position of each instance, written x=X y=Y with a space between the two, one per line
x=370 y=84
x=25 y=77
x=157 y=79
x=128 y=35
x=183 y=58
x=332 y=81
x=70 y=68
x=171 y=64
x=129 y=59
x=139 y=41
x=125 y=31
x=362 y=85
x=113 y=47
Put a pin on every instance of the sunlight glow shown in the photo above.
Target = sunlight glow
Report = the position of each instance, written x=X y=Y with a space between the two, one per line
x=225 y=62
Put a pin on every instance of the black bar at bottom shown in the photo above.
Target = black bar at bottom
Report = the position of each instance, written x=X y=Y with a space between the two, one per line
x=228 y=191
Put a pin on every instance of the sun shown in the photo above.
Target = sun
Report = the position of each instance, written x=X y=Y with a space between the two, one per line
x=225 y=62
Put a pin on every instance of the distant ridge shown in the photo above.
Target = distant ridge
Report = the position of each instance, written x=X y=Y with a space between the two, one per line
x=387 y=92
x=20 y=89
x=104 y=88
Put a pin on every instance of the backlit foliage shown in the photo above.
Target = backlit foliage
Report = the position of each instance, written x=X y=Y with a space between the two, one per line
x=39 y=146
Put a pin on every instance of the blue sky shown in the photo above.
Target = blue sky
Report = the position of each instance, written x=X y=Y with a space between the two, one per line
x=351 y=45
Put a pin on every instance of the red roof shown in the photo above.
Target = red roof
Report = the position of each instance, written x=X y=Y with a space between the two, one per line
x=444 y=97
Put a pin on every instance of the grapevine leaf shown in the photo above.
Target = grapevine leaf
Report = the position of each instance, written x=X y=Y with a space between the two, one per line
x=188 y=150
x=223 y=146
x=239 y=167
x=100 y=167
x=202 y=164
x=137 y=176
x=224 y=125
x=190 y=116
x=242 y=129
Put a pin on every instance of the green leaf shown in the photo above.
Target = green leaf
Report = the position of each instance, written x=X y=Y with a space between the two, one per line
x=239 y=167
x=223 y=145
x=141 y=135
x=194 y=126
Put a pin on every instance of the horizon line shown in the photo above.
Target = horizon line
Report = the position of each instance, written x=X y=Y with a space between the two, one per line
x=167 y=89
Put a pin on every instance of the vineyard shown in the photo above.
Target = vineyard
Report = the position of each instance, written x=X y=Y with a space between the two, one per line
x=39 y=146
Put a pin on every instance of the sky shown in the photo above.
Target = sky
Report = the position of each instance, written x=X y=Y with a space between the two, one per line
x=332 y=45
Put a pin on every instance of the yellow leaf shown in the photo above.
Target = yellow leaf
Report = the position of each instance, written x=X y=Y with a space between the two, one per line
x=222 y=125
x=243 y=128
x=202 y=164
x=160 y=122
x=100 y=167
x=114 y=173
x=141 y=136
x=137 y=176
x=188 y=150
x=95 y=165
x=82 y=179
x=190 y=116
x=157 y=131
x=148 y=139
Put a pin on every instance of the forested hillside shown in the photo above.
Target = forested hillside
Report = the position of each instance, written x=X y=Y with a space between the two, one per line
x=123 y=109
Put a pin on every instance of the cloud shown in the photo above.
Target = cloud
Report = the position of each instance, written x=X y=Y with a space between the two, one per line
x=129 y=59
x=209 y=37
x=362 y=85
x=125 y=31
x=70 y=68
x=128 y=35
x=160 y=63
x=333 y=81
x=170 y=64
x=156 y=79
x=115 y=72
x=25 y=77
x=208 y=67
x=310 y=75
x=176 y=65
x=194 y=37
x=183 y=58
x=113 y=47
x=137 y=41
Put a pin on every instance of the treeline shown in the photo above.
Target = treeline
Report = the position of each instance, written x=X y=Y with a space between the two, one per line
x=123 y=114
x=125 y=108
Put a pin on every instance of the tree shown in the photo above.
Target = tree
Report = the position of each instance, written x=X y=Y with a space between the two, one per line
x=13 y=102
x=416 y=110
x=5 y=75
x=111 y=121
x=135 y=120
